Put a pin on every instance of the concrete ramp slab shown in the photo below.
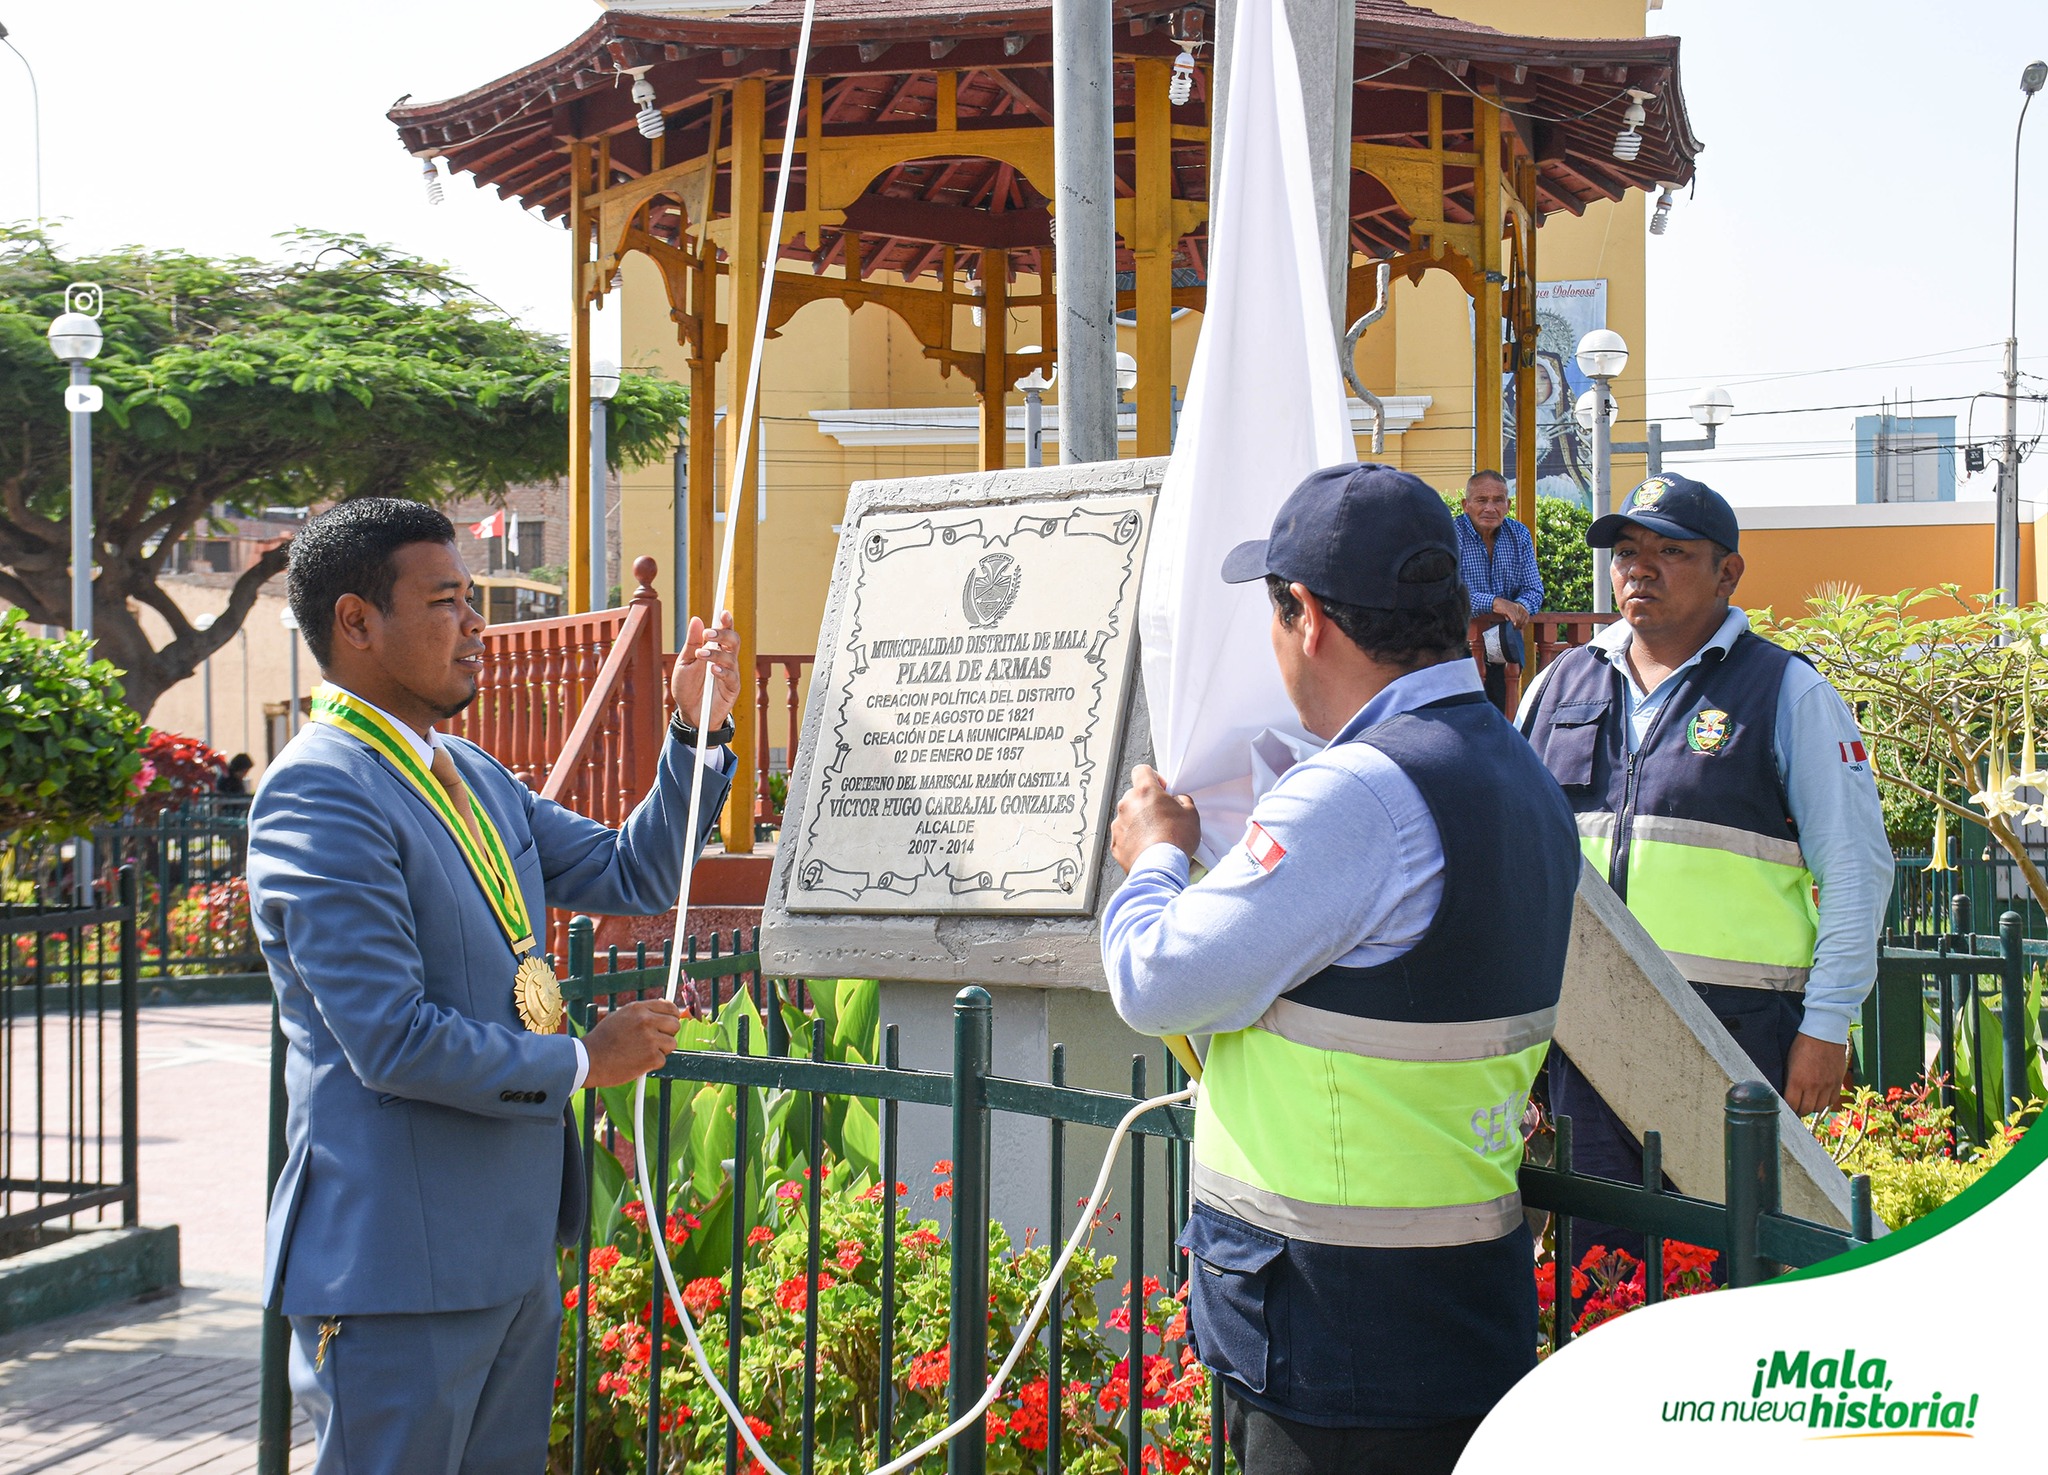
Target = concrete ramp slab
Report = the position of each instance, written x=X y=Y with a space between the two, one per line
x=1648 y=1043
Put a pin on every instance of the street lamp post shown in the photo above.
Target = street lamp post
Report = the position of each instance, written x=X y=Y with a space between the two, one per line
x=604 y=383
x=75 y=339
x=204 y=623
x=1710 y=409
x=1033 y=387
x=2007 y=573
x=1602 y=357
x=290 y=622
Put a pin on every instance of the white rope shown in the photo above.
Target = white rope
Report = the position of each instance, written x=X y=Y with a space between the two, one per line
x=656 y=1213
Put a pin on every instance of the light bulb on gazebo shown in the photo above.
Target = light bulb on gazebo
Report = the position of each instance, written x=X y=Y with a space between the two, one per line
x=1182 y=87
x=432 y=177
x=1629 y=142
x=647 y=115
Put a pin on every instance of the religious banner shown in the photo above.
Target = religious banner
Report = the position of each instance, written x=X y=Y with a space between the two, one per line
x=1565 y=313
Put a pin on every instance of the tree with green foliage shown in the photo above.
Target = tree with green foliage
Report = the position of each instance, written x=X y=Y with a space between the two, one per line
x=1948 y=688
x=348 y=369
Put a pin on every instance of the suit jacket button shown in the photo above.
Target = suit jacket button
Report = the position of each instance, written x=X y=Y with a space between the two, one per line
x=539 y=1097
x=508 y=1095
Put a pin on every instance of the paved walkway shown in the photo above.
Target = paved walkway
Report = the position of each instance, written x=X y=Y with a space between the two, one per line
x=167 y=1386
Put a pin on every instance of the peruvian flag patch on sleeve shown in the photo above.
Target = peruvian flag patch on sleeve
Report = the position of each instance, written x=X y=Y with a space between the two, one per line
x=1265 y=851
x=1853 y=753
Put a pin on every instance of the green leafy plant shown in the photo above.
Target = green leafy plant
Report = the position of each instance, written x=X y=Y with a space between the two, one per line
x=1946 y=685
x=776 y=1288
x=346 y=369
x=1906 y=1141
x=1562 y=557
x=70 y=747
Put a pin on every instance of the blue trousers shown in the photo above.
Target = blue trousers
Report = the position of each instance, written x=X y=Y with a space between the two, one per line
x=432 y=1393
x=1762 y=1021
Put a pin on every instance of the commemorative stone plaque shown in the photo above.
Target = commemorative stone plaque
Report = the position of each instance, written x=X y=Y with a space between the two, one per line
x=967 y=743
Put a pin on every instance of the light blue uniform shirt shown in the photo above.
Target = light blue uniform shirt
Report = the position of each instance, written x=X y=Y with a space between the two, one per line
x=1832 y=796
x=1358 y=885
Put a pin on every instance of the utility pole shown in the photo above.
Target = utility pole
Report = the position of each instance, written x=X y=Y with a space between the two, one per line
x=1084 y=217
x=2007 y=574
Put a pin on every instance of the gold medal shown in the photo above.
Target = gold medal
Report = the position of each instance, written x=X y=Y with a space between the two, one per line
x=537 y=995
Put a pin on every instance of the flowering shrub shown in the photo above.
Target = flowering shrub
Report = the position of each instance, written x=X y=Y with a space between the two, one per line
x=1906 y=1141
x=777 y=1291
x=212 y=922
x=1608 y=1283
x=174 y=769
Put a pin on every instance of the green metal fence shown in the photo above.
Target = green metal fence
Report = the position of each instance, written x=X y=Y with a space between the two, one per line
x=177 y=856
x=1749 y=1228
x=1936 y=999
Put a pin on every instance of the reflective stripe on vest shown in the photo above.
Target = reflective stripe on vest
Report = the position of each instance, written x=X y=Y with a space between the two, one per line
x=1368 y=1132
x=1760 y=930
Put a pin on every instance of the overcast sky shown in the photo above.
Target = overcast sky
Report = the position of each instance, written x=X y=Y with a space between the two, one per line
x=1848 y=240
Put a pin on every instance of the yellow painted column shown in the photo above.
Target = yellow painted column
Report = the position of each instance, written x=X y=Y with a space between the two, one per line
x=995 y=373
x=1525 y=357
x=703 y=458
x=579 y=380
x=1152 y=249
x=749 y=105
x=1486 y=357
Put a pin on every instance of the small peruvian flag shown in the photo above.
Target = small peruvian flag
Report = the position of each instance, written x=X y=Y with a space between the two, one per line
x=1853 y=753
x=491 y=527
x=1265 y=851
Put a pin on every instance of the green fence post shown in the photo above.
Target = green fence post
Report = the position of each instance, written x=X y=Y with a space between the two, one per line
x=1752 y=1168
x=579 y=967
x=2012 y=1010
x=274 y=1397
x=967 y=1454
x=131 y=1100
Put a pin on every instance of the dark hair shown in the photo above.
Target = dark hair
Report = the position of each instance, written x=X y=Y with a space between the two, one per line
x=1395 y=637
x=347 y=550
x=1485 y=473
x=241 y=763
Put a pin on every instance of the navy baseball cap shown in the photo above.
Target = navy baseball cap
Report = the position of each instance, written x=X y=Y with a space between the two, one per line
x=1677 y=507
x=1345 y=532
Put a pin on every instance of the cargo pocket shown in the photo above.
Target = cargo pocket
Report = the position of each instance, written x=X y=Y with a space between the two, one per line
x=1230 y=1293
x=1573 y=741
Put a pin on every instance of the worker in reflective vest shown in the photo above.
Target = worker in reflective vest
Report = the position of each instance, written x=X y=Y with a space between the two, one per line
x=1717 y=779
x=1378 y=964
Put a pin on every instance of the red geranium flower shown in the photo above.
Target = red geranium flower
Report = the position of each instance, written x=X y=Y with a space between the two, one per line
x=930 y=1370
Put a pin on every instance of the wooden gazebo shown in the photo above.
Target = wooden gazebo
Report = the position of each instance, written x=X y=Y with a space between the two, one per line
x=925 y=168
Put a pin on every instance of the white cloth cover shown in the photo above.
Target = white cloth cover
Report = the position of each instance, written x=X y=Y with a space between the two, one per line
x=1265 y=407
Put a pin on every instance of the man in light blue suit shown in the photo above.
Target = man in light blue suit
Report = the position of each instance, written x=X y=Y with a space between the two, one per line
x=431 y=1173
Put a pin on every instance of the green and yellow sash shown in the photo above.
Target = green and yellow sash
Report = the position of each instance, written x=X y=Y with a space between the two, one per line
x=488 y=862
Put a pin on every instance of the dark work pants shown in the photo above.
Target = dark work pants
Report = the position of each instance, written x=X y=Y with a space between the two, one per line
x=1762 y=1021
x=1267 y=1444
x=1496 y=684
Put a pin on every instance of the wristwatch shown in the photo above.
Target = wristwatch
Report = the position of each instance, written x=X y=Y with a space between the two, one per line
x=685 y=734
